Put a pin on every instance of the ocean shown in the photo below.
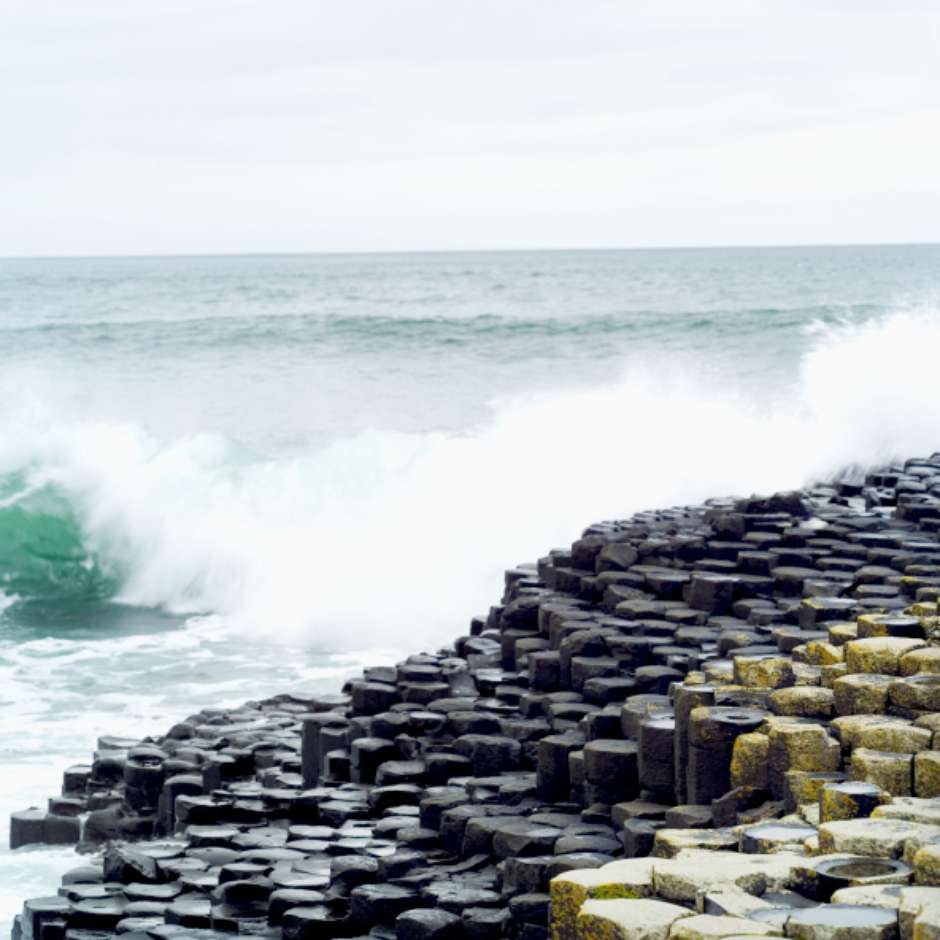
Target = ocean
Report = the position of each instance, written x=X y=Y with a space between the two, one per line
x=226 y=477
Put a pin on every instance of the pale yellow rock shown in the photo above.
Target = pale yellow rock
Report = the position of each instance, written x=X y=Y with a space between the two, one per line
x=914 y=902
x=927 y=774
x=910 y=809
x=803 y=701
x=823 y=653
x=918 y=694
x=842 y=633
x=800 y=746
x=779 y=721
x=831 y=674
x=629 y=878
x=931 y=723
x=887 y=896
x=848 y=727
x=731 y=901
x=931 y=627
x=880 y=654
x=749 y=761
x=881 y=733
x=914 y=845
x=929 y=834
x=872 y=837
x=708 y=927
x=892 y=772
x=693 y=871
x=920 y=661
x=764 y=672
x=861 y=694
x=804 y=787
x=927 y=923
x=837 y=804
x=927 y=865
x=628 y=919
x=719 y=672
x=807 y=674
x=809 y=813
x=668 y=843
x=634 y=873
x=790 y=819
x=873 y=625
x=924 y=609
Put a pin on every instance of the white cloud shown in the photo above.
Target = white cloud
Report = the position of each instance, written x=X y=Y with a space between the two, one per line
x=210 y=126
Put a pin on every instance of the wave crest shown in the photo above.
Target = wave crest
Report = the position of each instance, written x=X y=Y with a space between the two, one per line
x=389 y=536
x=42 y=547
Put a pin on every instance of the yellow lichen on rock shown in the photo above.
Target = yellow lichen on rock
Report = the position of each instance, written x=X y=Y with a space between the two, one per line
x=891 y=772
x=871 y=625
x=764 y=672
x=881 y=733
x=927 y=774
x=829 y=675
x=926 y=659
x=803 y=702
x=749 y=761
x=927 y=865
x=823 y=653
x=841 y=633
x=800 y=746
x=878 y=654
x=923 y=609
x=861 y=694
x=627 y=879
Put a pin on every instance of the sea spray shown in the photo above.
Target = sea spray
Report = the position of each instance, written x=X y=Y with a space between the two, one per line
x=324 y=547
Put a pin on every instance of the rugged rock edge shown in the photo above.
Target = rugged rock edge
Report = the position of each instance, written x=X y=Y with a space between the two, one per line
x=711 y=721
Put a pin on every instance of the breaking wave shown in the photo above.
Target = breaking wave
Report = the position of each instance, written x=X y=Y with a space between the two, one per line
x=389 y=536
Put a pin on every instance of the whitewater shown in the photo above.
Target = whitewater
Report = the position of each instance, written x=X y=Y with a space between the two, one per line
x=222 y=478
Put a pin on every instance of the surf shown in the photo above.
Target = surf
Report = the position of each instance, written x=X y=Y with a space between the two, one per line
x=387 y=534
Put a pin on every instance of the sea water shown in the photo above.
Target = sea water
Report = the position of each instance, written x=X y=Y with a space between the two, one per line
x=225 y=477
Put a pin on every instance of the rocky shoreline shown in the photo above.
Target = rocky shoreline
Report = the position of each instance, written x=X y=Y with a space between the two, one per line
x=710 y=721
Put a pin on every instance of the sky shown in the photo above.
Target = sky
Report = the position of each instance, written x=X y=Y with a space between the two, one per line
x=298 y=125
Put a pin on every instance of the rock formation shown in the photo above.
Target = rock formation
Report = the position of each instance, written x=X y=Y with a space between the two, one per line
x=709 y=721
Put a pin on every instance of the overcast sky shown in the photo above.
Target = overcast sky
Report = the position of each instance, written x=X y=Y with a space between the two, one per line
x=224 y=126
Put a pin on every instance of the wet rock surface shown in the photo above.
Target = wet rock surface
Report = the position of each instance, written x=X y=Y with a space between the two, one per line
x=709 y=721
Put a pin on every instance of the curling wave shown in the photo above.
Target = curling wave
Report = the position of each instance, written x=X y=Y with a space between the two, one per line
x=388 y=536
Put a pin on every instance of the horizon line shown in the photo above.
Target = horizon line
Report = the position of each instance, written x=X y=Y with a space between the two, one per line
x=455 y=251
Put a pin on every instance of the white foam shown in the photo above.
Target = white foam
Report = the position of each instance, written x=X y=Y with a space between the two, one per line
x=393 y=538
x=58 y=695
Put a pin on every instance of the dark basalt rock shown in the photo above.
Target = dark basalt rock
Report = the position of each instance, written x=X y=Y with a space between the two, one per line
x=455 y=897
x=428 y=925
x=314 y=923
x=97 y=913
x=668 y=678
x=381 y=903
x=125 y=865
